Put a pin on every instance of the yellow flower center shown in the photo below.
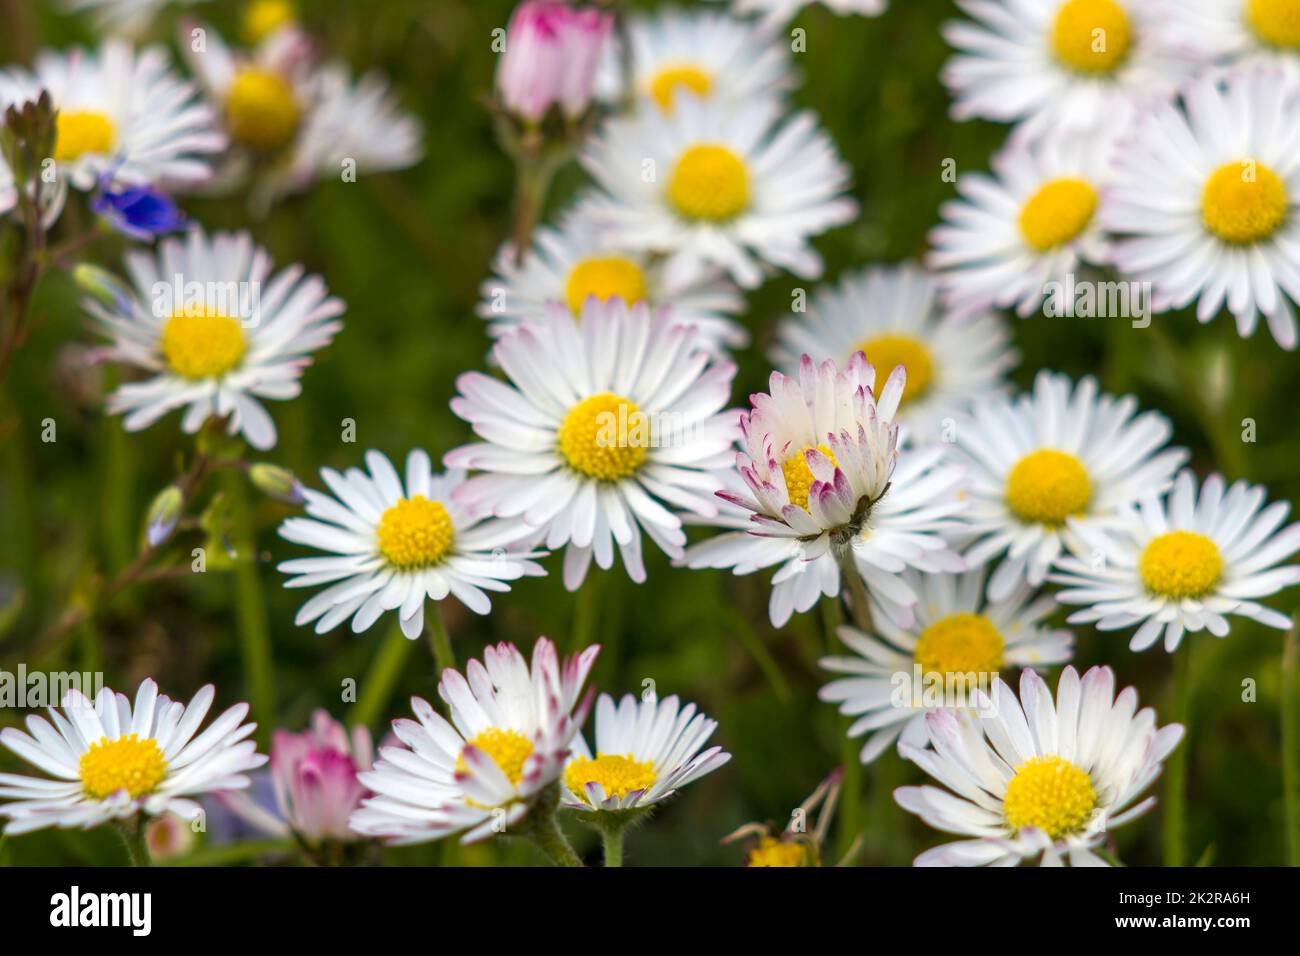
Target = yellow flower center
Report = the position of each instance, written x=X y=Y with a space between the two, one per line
x=199 y=344
x=773 y=852
x=960 y=644
x=665 y=83
x=605 y=437
x=509 y=750
x=1049 y=793
x=79 y=133
x=1276 y=21
x=264 y=17
x=709 y=182
x=617 y=776
x=1091 y=36
x=886 y=352
x=1244 y=202
x=415 y=532
x=604 y=277
x=1180 y=564
x=1048 y=486
x=261 y=110
x=1057 y=213
x=799 y=477
x=128 y=763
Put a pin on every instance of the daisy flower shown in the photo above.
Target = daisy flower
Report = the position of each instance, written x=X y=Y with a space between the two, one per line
x=1032 y=223
x=129 y=17
x=891 y=315
x=646 y=751
x=215 y=331
x=508 y=738
x=1060 y=452
x=775 y=13
x=1209 y=197
x=959 y=637
x=572 y=263
x=1051 y=66
x=719 y=185
x=1236 y=32
x=1183 y=564
x=393 y=546
x=605 y=427
x=1037 y=779
x=111 y=760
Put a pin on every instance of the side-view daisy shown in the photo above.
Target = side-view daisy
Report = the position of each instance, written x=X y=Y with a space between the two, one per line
x=1183 y=563
x=111 y=760
x=606 y=427
x=508 y=738
x=959 y=642
x=1037 y=779
x=1059 y=452
x=396 y=545
x=215 y=331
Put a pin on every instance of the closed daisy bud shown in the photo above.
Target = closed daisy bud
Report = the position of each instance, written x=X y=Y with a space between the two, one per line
x=163 y=514
x=552 y=51
x=276 y=482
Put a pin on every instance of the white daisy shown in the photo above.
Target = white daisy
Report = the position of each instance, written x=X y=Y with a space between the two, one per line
x=719 y=185
x=1183 y=564
x=1060 y=452
x=1209 y=197
x=215 y=331
x=508 y=738
x=959 y=637
x=393 y=546
x=1236 y=32
x=646 y=750
x=890 y=314
x=1033 y=222
x=111 y=760
x=775 y=13
x=130 y=17
x=605 y=426
x=1035 y=779
x=1059 y=65
x=571 y=263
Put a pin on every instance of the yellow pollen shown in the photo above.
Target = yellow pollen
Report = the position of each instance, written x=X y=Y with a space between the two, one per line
x=617 y=776
x=1049 y=793
x=1180 y=564
x=799 y=477
x=264 y=17
x=1244 y=202
x=128 y=763
x=1276 y=21
x=960 y=644
x=886 y=352
x=509 y=750
x=605 y=437
x=261 y=110
x=415 y=532
x=79 y=133
x=1057 y=213
x=773 y=852
x=199 y=344
x=709 y=182
x=1048 y=486
x=604 y=277
x=664 y=86
x=1091 y=36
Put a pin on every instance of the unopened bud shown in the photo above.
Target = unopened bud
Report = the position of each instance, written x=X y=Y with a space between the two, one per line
x=164 y=513
x=102 y=285
x=276 y=482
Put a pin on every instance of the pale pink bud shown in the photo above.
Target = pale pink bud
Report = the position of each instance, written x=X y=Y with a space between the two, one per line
x=552 y=51
x=314 y=775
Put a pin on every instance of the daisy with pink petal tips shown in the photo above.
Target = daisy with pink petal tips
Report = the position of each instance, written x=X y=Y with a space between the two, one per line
x=552 y=51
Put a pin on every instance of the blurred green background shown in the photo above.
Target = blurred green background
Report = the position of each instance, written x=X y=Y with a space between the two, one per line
x=407 y=252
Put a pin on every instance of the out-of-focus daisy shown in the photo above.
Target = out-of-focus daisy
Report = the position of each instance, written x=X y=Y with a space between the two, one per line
x=1060 y=452
x=959 y=639
x=607 y=424
x=775 y=13
x=706 y=52
x=110 y=760
x=801 y=843
x=1033 y=222
x=645 y=752
x=1183 y=564
x=1209 y=197
x=8 y=191
x=508 y=738
x=890 y=314
x=395 y=546
x=215 y=331
x=1060 y=66
x=1037 y=779
x=719 y=185
x=122 y=114
x=570 y=264
x=1235 y=32
x=128 y=17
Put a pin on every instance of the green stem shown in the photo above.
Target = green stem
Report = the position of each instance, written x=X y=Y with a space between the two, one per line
x=385 y=670
x=533 y=173
x=1174 y=830
x=859 y=604
x=250 y=607
x=542 y=827
x=132 y=833
x=612 y=838
x=439 y=640
x=1291 y=742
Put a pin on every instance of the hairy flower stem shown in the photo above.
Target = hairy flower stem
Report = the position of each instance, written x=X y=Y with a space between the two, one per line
x=612 y=839
x=132 y=833
x=1174 y=830
x=439 y=641
x=542 y=827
